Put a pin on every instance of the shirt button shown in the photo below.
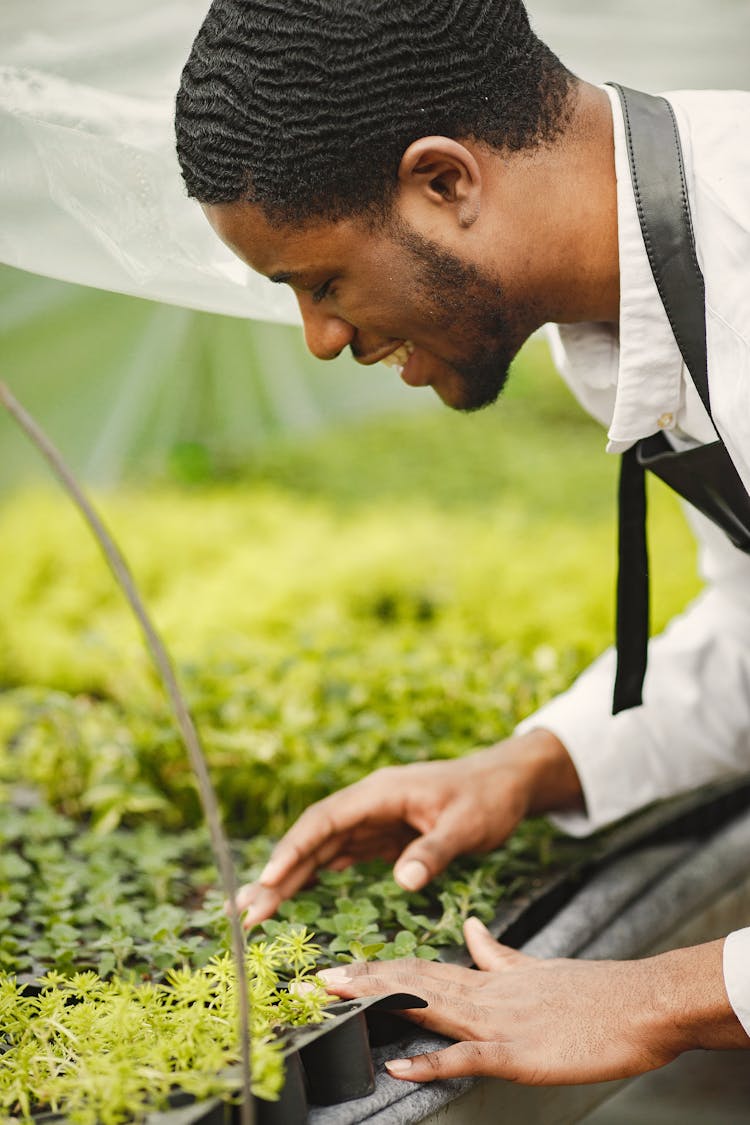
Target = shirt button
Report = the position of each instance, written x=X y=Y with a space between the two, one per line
x=665 y=421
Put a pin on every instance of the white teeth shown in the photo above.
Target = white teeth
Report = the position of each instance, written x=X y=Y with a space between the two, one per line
x=399 y=357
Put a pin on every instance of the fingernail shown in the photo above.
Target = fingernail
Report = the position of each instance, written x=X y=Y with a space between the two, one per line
x=252 y=918
x=477 y=923
x=270 y=872
x=412 y=875
x=335 y=976
x=244 y=896
x=398 y=1066
x=301 y=987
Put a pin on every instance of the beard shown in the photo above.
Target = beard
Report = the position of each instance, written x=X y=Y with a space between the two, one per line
x=471 y=305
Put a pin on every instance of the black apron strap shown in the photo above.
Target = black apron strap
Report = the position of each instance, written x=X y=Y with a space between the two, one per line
x=705 y=475
x=632 y=618
x=658 y=177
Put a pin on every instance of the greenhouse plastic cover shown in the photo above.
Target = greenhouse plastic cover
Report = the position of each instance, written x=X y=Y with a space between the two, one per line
x=90 y=188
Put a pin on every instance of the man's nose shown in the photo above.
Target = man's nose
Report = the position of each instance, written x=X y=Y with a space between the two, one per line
x=326 y=335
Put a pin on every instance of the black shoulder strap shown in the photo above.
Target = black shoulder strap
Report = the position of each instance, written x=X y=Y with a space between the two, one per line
x=664 y=214
x=658 y=176
x=704 y=476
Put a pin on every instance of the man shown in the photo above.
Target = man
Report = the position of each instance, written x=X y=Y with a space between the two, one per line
x=435 y=185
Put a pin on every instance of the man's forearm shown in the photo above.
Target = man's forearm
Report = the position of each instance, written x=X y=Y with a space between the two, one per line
x=692 y=1001
x=692 y=728
x=553 y=776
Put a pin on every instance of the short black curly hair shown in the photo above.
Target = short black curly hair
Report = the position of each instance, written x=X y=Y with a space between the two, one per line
x=306 y=106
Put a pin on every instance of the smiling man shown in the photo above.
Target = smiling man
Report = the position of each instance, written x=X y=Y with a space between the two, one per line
x=435 y=185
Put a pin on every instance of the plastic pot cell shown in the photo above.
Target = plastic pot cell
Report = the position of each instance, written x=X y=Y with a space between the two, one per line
x=335 y=1055
x=291 y=1107
x=339 y=1064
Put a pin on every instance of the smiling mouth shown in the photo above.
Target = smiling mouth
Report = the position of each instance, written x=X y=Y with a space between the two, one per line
x=399 y=356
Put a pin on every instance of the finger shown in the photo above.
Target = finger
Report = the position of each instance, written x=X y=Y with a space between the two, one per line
x=340 y=863
x=452 y=1007
x=458 y=1061
x=377 y=842
x=431 y=853
x=333 y=816
x=370 y=979
x=414 y=968
x=259 y=901
x=489 y=954
x=256 y=903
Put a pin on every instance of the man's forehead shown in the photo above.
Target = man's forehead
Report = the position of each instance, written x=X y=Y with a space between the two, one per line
x=282 y=251
x=246 y=230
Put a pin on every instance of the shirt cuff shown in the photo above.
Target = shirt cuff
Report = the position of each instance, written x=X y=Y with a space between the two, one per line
x=614 y=783
x=737 y=974
x=693 y=726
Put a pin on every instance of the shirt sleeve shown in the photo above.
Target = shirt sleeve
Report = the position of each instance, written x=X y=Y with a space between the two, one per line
x=694 y=724
x=737 y=974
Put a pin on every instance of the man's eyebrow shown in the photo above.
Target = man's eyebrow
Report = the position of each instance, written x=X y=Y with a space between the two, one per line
x=297 y=277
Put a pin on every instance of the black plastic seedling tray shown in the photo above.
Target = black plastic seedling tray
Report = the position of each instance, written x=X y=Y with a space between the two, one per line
x=330 y=1062
x=335 y=1057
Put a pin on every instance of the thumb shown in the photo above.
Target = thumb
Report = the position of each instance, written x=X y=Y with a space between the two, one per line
x=428 y=855
x=489 y=954
x=458 y=1061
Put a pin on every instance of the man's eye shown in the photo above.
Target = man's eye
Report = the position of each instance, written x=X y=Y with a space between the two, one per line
x=322 y=292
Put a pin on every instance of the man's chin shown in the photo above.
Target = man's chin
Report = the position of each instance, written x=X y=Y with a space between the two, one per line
x=468 y=393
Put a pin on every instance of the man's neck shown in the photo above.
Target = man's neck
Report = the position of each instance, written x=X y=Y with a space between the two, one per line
x=588 y=278
x=565 y=198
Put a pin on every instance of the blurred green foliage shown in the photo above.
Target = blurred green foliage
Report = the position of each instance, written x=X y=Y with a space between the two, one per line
x=140 y=900
x=394 y=591
x=132 y=388
x=387 y=592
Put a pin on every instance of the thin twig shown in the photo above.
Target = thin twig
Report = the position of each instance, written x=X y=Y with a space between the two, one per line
x=187 y=728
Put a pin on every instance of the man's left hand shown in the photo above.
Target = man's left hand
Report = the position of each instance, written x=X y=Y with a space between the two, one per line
x=554 y=1022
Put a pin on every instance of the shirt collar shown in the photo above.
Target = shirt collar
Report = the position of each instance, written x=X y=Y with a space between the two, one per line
x=649 y=375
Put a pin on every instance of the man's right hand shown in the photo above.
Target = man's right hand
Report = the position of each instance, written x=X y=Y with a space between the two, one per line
x=421 y=815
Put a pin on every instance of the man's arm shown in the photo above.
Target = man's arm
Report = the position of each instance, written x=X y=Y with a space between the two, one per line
x=555 y=1022
x=694 y=725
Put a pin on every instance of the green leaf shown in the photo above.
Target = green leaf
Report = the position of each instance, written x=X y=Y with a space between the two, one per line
x=404 y=944
x=427 y=953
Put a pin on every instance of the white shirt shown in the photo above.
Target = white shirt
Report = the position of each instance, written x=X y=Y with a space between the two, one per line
x=694 y=724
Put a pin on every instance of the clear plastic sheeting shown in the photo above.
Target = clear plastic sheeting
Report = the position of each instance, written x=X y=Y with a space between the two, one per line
x=90 y=189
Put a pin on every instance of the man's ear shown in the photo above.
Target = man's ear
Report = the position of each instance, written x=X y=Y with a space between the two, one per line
x=443 y=173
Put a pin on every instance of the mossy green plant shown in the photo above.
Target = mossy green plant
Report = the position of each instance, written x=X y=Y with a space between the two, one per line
x=104 y=1052
x=329 y=619
x=139 y=902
